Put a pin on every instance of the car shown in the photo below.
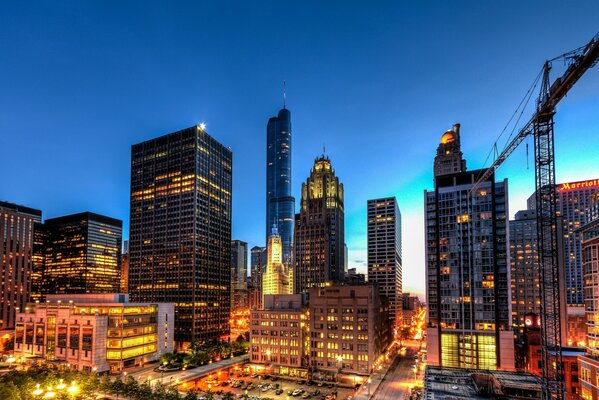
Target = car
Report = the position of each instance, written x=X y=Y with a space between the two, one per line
x=254 y=375
x=297 y=392
x=310 y=382
x=320 y=384
x=330 y=385
x=316 y=392
x=267 y=376
x=275 y=378
x=279 y=391
x=265 y=389
x=290 y=392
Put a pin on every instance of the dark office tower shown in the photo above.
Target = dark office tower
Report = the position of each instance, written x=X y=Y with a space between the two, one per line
x=468 y=290
x=83 y=254
x=180 y=237
x=125 y=268
x=280 y=204
x=258 y=260
x=38 y=257
x=574 y=201
x=384 y=254
x=16 y=248
x=524 y=267
x=449 y=153
x=239 y=267
x=319 y=229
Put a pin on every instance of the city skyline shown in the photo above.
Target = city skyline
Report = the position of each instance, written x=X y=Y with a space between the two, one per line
x=86 y=146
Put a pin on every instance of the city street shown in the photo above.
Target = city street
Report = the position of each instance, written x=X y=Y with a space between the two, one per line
x=400 y=378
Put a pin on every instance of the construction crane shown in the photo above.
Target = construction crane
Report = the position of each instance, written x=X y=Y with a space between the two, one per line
x=540 y=126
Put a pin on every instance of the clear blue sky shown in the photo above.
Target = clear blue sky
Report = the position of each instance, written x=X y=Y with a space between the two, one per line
x=377 y=82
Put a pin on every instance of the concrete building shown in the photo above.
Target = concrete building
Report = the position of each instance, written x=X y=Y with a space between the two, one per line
x=277 y=277
x=384 y=254
x=101 y=331
x=82 y=254
x=349 y=330
x=239 y=267
x=524 y=269
x=180 y=234
x=468 y=277
x=278 y=333
x=320 y=229
x=17 y=263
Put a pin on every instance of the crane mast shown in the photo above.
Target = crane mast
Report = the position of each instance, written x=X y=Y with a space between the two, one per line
x=540 y=126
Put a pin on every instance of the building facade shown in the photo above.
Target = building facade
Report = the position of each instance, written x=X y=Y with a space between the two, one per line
x=468 y=277
x=384 y=254
x=101 y=332
x=280 y=203
x=17 y=264
x=277 y=277
x=320 y=229
x=524 y=269
x=180 y=234
x=82 y=254
x=239 y=267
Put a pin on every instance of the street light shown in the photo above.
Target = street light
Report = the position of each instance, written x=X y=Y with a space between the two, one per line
x=369 y=381
x=339 y=367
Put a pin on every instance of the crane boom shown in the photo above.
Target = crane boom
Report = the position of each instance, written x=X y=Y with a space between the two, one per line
x=582 y=59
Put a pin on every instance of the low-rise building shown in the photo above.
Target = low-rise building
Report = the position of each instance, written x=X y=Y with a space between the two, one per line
x=102 y=332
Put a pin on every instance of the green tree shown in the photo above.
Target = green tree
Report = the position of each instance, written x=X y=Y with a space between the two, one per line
x=167 y=358
x=191 y=395
x=228 y=396
x=9 y=391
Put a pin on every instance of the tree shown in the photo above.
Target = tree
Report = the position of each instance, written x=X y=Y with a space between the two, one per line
x=167 y=358
x=191 y=395
x=105 y=383
x=9 y=391
x=227 y=396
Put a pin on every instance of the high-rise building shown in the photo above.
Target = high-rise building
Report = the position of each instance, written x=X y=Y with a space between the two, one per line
x=258 y=263
x=82 y=254
x=467 y=253
x=280 y=203
x=574 y=201
x=39 y=262
x=180 y=235
x=125 y=268
x=524 y=268
x=449 y=158
x=384 y=254
x=277 y=277
x=16 y=265
x=319 y=229
x=239 y=266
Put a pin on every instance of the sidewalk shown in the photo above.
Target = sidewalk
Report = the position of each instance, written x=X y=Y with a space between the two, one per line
x=376 y=379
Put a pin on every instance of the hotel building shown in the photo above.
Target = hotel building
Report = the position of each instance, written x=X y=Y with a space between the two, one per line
x=467 y=253
x=101 y=332
x=180 y=236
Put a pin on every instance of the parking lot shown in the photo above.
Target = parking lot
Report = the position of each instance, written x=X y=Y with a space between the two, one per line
x=256 y=386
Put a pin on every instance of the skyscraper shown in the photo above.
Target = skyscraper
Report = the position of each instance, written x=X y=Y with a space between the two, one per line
x=180 y=237
x=524 y=268
x=384 y=253
x=319 y=229
x=82 y=254
x=258 y=263
x=277 y=277
x=16 y=264
x=239 y=266
x=449 y=158
x=468 y=290
x=280 y=204
x=574 y=200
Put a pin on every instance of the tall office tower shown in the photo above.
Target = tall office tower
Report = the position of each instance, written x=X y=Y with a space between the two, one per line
x=38 y=258
x=449 y=153
x=277 y=277
x=384 y=254
x=574 y=200
x=180 y=236
x=280 y=204
x=468 y=287
x=319 y=229
x=589 y=363
x=258 y=263
x=125 y=268
x=83 y=254
x=239 y=266
x=524 y=268
x=16 y=248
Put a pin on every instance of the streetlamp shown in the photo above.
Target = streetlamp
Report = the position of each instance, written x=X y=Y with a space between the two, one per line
x=339 y=367
x=268 y=353
x=368 y=382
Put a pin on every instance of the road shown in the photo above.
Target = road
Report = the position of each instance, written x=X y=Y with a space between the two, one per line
x=400 y=378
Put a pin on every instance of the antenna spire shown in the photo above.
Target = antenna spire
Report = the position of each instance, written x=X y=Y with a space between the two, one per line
x=284 y=94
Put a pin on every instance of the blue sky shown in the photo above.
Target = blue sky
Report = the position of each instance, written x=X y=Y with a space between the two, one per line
x=376 y=82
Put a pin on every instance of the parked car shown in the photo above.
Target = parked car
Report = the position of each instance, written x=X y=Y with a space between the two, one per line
x=306 y=395
x=297 y=392
x=320 y=384
x=279 y=391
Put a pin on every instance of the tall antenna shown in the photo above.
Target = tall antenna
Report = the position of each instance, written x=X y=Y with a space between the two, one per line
x=284 y=94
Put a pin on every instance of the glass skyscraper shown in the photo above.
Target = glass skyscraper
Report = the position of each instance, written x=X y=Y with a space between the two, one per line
x=180 y=237
x=280 y=204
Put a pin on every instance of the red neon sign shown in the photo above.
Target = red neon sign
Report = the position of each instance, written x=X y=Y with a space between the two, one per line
x=579 y=185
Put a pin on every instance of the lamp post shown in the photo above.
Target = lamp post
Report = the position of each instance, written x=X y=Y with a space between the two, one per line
x=369 y=380
x=268 y=353
x=339 y=367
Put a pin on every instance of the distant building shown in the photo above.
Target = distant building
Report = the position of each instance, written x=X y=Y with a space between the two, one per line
x=101 y=331
x=239 y=266
x=320 y=229
x=384 y=253
x=467 y=253
x=411 y=306
x=39 y=262
x=17 y=262
x=180 y=234
x=524 y=268
x=280 y=203
x=125 y=268
x=258 y=257
x=353 y=277
x=277 y=277
x=82 y=254
x=471 y=384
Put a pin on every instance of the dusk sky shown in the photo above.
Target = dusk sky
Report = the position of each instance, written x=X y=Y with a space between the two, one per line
x=377 y=83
